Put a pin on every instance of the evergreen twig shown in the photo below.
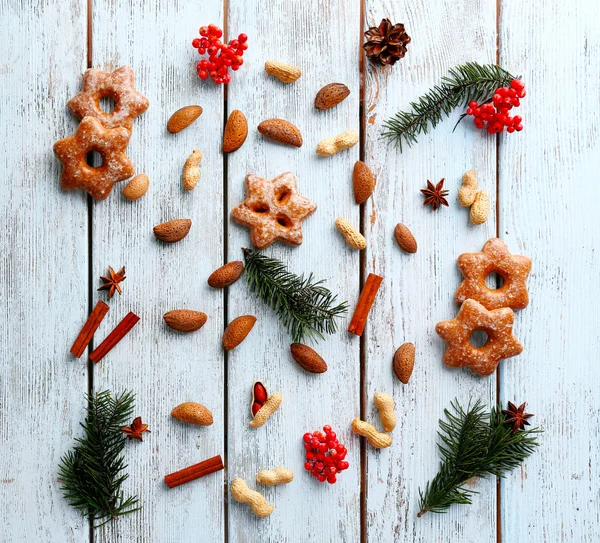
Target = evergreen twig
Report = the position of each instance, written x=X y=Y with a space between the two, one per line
x=92 y=473
x=304 y=306
x=473 y=443
x=465 y=83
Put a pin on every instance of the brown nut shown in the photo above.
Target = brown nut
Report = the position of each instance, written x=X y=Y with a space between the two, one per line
x=331 y=95
x=236 y=131
x=237 y=330
x=136 y=187
x=185 y=320
x=286 y=73
x=404 y=362
x=281 y=131
x=193 y=413
x=308 y=358
x=363 y=182
x=183 y=118
x=173 y=231
x=406 y=241
x=226 y=275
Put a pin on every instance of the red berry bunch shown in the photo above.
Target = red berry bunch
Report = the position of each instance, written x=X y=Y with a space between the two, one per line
x=221 y=56
x=495 y=114
x=324 y=455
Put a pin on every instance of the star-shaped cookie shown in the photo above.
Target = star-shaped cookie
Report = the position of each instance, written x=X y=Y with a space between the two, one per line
x=111 y=143
x=273 y=210
x=497 y=324
x=495 y=257
x=118 y=85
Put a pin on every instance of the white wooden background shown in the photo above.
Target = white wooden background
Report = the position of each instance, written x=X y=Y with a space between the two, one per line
x=544 y=183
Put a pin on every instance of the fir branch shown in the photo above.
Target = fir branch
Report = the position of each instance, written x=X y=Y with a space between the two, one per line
x=93 y=472
x=465 y=83
x=304 y=306
x=473 y=443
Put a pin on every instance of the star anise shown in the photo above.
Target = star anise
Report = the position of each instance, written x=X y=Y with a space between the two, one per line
x=435 y=195
x=112 y=280
x=516 y=416
x=136 y=429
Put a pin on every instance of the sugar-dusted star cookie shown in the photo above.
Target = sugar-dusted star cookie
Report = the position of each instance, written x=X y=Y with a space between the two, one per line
x=497 y=324
x=118 y=85
x=111 y=143
x=273 y=210
x=494 y=257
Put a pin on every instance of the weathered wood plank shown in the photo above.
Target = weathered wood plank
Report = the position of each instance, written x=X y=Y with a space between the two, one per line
x=43 y=270
x=549 y=191
x=322 y=39
x=165 y=368
x=418 y=289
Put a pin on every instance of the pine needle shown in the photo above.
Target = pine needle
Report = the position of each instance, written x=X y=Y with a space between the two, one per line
x=304 y=306
x=465 y=83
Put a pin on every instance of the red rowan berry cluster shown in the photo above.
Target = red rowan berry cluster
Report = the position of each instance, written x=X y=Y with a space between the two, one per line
x=324 y=455
x=495 y=116
x=221 y=56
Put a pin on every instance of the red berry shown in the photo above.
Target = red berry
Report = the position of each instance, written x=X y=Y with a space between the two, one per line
x=473 y=104
x=196 y=43
x=327 y=429
x=496 y=98
x=517 y=84
x=328 y=460
x=204 y=31
x=323 y=448
x=203 y=74
x=519 y=127
x=331 y=479
x=319 y=466
x=217 y=32
x=478 y=123
x=308 y=466
x=510 y=129
x=201 y=51
x=517 y=119
x=320 y=456
x=307 y=437
x=235 y=67
x=321 y=478
x=522 y=94
x=343 y=465
x=243 y=46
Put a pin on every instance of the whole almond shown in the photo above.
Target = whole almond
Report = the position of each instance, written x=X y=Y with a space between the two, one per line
x=404 y=362
x=237 y=330
x=480 y=210
x=185 y=320
x=352 y=236
x=173 y=231
x=406 y=241
x=363 y=182
x=183 y=118
x=281 y=131
x=236 y=131
x=331 y=95
x=308 y=358
x=137 y=187
x=286 y=73
x=194 y=413
x=226 y=275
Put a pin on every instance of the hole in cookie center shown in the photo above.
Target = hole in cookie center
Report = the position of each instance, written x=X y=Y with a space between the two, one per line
x=284 y=221
x=94 y=159
x=282 y=195
x=107 y=104
x=494 y=281
x=478 y=338
x=259 y=208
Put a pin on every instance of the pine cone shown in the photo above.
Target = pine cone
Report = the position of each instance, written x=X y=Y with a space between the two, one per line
x=387 y=43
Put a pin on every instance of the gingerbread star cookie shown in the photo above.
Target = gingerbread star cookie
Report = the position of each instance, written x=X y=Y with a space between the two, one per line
x=118 y=85
x=497 y=324
x=494 y=257
x=273 y=210
x=111 y=143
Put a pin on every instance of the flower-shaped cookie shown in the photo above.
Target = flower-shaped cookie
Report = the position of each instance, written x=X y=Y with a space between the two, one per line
x=118 y=85
x=111 y=143
x=472 y=316
x=494 y=257
x=273 y=210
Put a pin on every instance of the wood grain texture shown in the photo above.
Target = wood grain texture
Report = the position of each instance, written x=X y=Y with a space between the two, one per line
x=418 y=289
x=165 y=368
x=43 y=270
x=304 y=509
x=549 y=195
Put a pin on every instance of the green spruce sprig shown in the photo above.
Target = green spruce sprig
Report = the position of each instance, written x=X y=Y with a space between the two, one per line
x=304 y=306
x=465 y=83
x=473 y=443
x=93 y=472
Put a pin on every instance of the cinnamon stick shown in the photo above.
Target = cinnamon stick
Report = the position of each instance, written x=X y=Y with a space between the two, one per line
x=120 y=331
x=89 y=328
x=194 y=472
x=363 y=306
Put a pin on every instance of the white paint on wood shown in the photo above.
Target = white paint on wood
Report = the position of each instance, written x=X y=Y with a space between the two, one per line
x=162 y=367
x=43 y=269
x=550 y=192
x=418 y=289
x=322 y=39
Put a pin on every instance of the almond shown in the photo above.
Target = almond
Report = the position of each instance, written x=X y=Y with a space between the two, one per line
x=173 y=231
x=404 y=362
x=406 y=241
x=226 y=275
x=308 y=358
x=363 y=181
x=331 y=95
x=185 y=320
x=137 y=187
x=182 y=118
x=286 y=73
x=281 y=131
x=237 y=331
x=194 y=413
x=236 y=131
